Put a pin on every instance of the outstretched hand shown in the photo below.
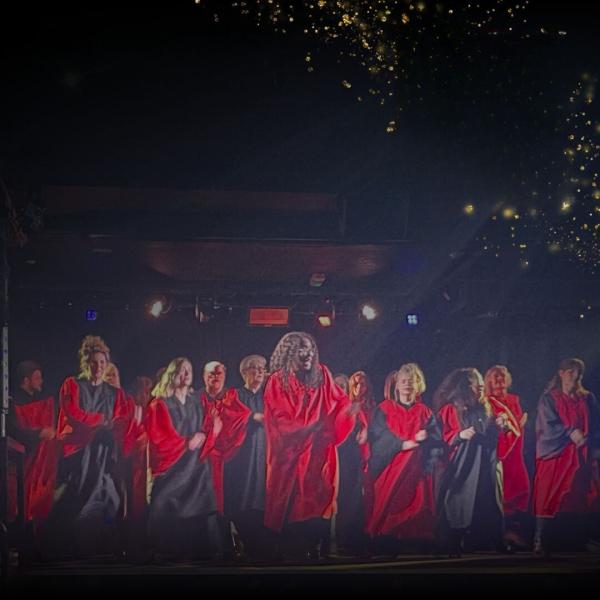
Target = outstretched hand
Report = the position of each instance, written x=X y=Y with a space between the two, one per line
x=467 y=434
x=577 y=437
x=421 y=435
x=197 y=441
x=409 y=445
x=361 y=436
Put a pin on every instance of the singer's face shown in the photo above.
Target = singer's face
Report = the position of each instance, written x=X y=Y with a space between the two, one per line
x=569 y=378
x=98 y=364
x=499 y=384
x=359 y=386
x=255 y=373
x=304 y=358
x=405 y=384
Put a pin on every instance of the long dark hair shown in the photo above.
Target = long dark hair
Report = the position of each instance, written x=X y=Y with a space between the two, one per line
x=456 y=389
x=565 y=365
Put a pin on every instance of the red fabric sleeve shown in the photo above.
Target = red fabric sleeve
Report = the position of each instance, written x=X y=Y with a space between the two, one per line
x=75 y=426
x=343 y=422
x=70 y=409
x=451 y=426
x=122 y=417
x=166 y=445
x=234 y=414
x=508 y=437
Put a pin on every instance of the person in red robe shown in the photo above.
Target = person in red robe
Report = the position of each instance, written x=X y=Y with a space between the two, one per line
x=306 y=417
x=566 y=480
x=389 y=385
x=404 y=439
x=353 y=455
x=92 y=422
x=32 y=422
x=469 y=494
x=183 y=517
x=136 y=446
x=498 y=381
x=234 y=415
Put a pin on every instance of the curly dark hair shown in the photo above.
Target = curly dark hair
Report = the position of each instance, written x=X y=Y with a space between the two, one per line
x=455 y=389
x=286 y=350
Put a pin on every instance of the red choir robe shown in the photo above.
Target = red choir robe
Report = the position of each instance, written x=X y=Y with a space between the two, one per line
x=304 y=426
x=29 y=415
x=510 y=453
x=401 y=482
x=234 y=414
x=77 y=428
x=136 y=449
x=92 y=423
x=183 y=502
x=166 y=445
x=566 y=477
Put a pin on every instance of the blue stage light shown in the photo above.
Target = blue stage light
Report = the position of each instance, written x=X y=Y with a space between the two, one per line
x=412 y=319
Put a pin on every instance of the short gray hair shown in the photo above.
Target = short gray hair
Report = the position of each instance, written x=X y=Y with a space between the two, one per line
x=247 y=360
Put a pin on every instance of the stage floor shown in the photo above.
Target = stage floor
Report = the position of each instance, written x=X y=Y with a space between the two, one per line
x=479 y=572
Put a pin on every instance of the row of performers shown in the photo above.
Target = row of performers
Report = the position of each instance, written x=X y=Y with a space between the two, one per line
x=275 y=463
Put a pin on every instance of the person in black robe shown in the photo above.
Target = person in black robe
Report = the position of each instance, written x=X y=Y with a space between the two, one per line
x=183 y=508
x=245 y=473
x=92 y=422
x=469 y=496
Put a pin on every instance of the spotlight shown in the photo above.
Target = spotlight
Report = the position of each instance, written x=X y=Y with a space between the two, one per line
x=412 y=319
x=326 y=314
x=325 y=320
x=369 y=312
x=91 y=314
x=158 y=306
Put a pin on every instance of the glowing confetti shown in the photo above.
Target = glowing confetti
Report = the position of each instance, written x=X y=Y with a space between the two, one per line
x=391 y=40
x=566 y=218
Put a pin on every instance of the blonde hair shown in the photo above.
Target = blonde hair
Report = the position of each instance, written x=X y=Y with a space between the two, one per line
x=111 y=368
x=89 y=346
x=368 y=397
x=165 y=386
x=488 y=378
x=389 y=385
x=413 y=371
